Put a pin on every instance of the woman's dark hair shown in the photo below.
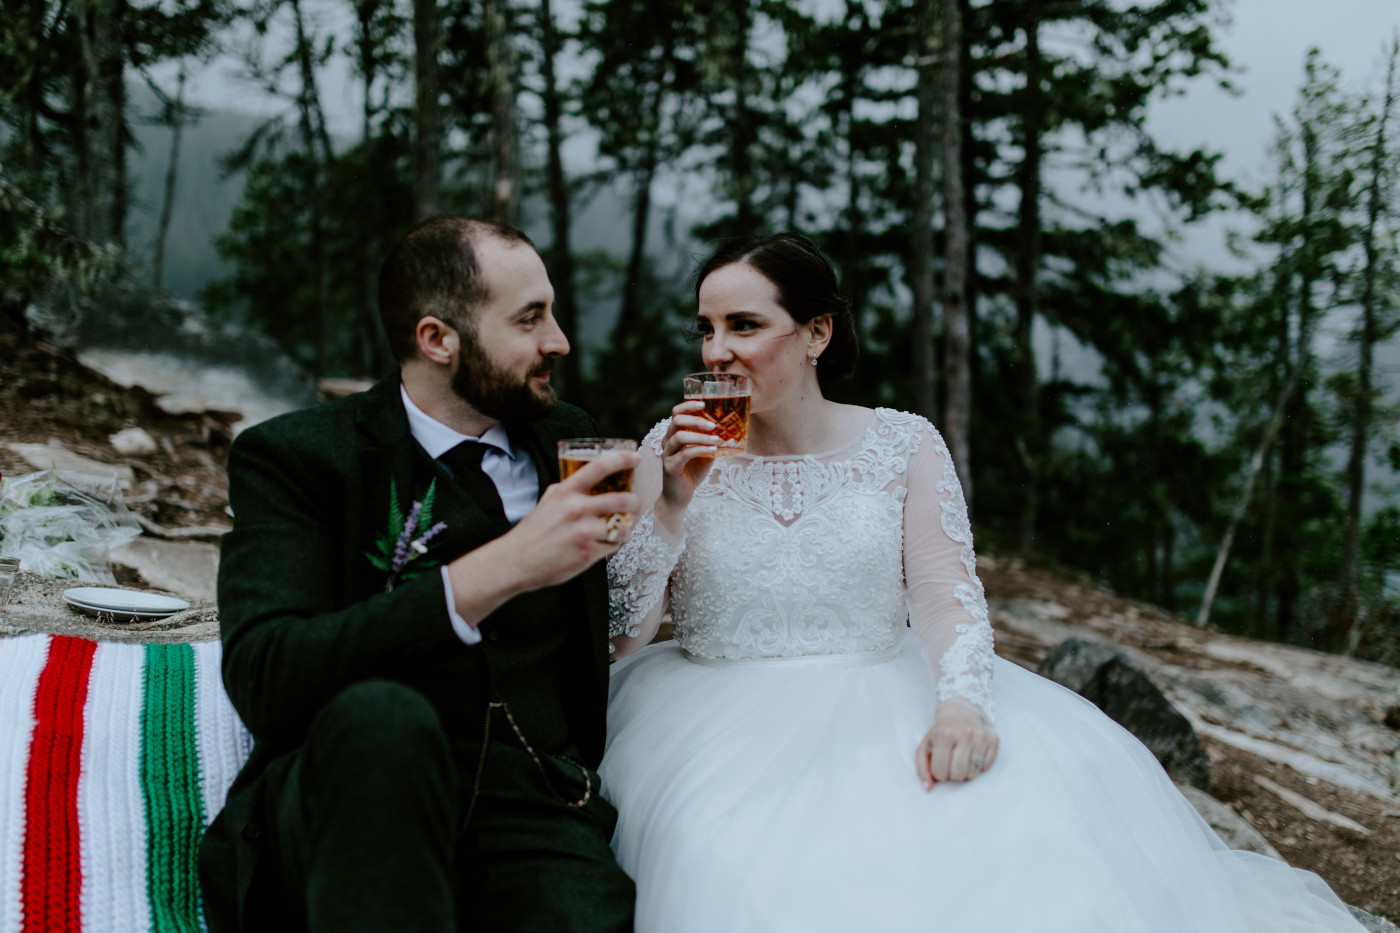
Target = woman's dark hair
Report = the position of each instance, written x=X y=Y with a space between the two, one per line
x=807 y=289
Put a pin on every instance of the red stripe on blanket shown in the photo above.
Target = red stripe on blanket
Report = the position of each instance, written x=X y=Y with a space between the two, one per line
x=51 y=879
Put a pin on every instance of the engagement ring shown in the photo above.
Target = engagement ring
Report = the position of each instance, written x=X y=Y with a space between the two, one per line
x=615 y=526
x=979 y=762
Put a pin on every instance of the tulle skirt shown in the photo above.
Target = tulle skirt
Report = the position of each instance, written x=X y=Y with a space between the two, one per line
x=780 y=795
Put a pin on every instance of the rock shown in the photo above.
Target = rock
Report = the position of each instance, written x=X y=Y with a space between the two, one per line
x=173 y=349
x=1111 y=681
x=1372 y=923
x=1311 y=809
x=54 y=456
x=1322 y=715
x=1234 y=830
x=134 y=442
x=186 y=568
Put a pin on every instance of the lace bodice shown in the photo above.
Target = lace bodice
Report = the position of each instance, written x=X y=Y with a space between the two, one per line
x=814 y=555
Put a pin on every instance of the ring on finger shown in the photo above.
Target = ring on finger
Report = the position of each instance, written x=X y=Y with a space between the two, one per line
x=979 y=762
x=615 y=525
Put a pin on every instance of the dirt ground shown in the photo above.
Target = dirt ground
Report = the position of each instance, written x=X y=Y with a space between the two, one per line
x=45 y=393
x=1363 y=870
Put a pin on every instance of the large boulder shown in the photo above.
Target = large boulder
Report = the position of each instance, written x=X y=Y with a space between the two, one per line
x=177 y=352
x=1110 y=680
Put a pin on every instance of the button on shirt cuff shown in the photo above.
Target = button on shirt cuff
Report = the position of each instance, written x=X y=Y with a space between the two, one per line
x=469 y=634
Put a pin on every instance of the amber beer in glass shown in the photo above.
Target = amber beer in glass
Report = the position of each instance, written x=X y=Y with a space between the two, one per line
x=576 y=452
x=726 y=397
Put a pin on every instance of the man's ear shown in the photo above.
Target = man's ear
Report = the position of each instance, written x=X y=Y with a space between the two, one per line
x=438 y=341
x=819 y=331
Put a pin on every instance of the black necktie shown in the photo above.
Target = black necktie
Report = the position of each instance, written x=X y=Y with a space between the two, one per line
x=465 y=463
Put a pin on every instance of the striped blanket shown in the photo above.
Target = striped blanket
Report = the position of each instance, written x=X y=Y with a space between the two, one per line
x=113 y=758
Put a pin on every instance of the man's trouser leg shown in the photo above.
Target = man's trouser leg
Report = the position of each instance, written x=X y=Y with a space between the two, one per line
x=531 y=862
x=363 y=819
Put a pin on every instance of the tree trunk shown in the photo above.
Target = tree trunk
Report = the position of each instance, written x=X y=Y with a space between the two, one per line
x=427 y=113
x=957 y=308
x=1297 y=355
x=312 y=135
x=1361 y=424
x=1282 y=298
x=630 y=311
x=1264 y=565
x=505 y=199
x=176 y=113
x=853 y=261
x=1277 y=419
x=1169 y=565
x=29 y=100
x=560 y=254
x=921 y=278
x=98 y=193
x=1027 y=384
x=743 y=131
x=1292 y=464
x=372 y=360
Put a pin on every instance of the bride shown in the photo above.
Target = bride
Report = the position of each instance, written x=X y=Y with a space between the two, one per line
x=829 y=743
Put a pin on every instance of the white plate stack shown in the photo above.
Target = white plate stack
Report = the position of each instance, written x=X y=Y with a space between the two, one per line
x=122 y=605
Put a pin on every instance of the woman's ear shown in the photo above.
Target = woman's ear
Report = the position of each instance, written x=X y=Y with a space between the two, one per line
x=819 y=334
x=437 y=340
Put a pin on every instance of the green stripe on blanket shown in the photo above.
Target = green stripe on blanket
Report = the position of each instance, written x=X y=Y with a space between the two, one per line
x=170 y=785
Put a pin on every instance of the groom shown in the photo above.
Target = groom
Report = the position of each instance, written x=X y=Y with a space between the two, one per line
x=414 y=619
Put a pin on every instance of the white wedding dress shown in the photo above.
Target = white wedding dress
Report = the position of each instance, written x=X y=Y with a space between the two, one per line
x=762 y=762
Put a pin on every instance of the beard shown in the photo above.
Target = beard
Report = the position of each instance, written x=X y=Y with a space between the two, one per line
x=498 y=393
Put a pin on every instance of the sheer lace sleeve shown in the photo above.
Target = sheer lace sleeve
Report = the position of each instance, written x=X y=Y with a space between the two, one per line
x=639 y=571
x=947 y=607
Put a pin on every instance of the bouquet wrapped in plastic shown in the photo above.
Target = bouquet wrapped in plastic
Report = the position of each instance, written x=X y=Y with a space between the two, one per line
x=63 y=525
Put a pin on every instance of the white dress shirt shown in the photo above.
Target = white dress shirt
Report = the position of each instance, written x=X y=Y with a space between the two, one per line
x=510 y=470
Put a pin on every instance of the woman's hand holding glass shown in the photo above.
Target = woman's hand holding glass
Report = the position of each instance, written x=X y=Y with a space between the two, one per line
x=687 y=450
x=957 y=747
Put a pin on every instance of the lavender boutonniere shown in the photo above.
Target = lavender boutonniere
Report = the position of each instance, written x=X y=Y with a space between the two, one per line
x=407 y=539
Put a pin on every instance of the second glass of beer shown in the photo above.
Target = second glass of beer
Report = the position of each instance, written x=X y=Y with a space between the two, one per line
x=576 y=452
x=726 y=397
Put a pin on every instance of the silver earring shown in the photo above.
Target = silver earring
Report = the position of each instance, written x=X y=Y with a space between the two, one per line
x=814 y=361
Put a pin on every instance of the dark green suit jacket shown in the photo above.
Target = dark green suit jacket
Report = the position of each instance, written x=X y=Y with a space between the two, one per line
x=304 y=614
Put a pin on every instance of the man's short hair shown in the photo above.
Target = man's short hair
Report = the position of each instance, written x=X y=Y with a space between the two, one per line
x=433 y=270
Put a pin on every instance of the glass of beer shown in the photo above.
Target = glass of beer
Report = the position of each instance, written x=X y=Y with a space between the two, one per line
x=726 y=397
x=576 y=452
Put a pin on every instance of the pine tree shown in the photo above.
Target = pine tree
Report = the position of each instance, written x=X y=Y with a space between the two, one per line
x=1380 y=161
x=1079 y=105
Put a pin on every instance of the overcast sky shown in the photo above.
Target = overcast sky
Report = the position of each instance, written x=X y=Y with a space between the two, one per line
x=1268 y=41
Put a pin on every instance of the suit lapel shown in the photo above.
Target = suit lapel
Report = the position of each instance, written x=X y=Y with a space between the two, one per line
x=542 y=438
x=392 y=454
x=539 y=442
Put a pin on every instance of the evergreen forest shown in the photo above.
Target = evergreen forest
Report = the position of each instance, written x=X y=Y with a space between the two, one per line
x=1223 y=442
